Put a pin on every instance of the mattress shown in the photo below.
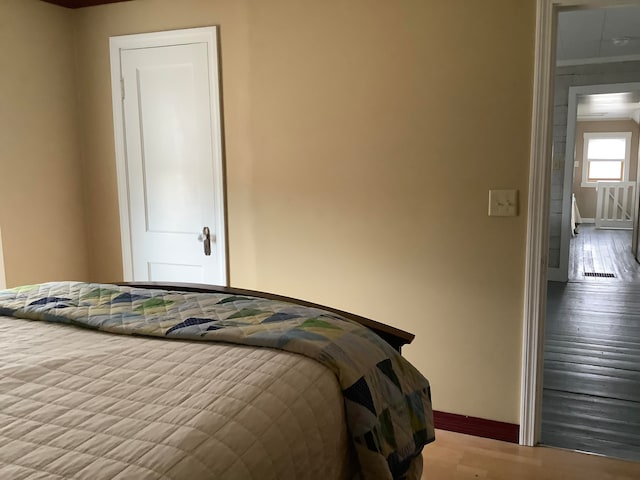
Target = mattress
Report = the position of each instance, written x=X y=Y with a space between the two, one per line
x=75 y=403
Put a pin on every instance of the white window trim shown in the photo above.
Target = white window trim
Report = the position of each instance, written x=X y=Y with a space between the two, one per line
x=627 y=155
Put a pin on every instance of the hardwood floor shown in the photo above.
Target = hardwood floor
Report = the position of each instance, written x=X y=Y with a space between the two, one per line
x=591 y=396
x=457 y=456
x=603 y=251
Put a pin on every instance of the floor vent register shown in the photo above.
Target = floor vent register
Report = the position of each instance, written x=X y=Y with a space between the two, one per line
x=599 y=275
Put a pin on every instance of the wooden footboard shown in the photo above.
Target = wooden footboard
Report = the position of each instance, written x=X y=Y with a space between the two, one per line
x=393 y=336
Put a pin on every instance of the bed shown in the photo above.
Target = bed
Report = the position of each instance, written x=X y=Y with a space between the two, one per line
x=105 y=381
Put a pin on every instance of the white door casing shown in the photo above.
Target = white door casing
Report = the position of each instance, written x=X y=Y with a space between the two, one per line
x=169 y=155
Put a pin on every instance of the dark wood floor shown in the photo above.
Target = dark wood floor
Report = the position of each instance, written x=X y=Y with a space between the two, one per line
x=591 y=396
x=602 y=251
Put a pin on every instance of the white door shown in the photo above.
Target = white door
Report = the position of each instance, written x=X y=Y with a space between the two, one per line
x=171 y=144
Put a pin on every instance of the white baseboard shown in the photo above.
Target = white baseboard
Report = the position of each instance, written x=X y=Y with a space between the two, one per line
x=588 y=221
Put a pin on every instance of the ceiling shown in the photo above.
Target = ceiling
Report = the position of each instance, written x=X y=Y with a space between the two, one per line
x=609 y=106
x=82 y=3
x=596 y=35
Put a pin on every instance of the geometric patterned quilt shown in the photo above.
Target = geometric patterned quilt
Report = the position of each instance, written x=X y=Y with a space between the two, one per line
x=387 y=401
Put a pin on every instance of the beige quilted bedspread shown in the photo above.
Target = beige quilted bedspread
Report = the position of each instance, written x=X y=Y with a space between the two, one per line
x=82 y=404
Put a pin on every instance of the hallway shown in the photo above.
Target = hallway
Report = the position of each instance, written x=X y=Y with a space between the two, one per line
x=591 y=396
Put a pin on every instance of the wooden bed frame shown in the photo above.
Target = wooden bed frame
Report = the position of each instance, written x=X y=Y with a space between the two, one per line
x=393 y=336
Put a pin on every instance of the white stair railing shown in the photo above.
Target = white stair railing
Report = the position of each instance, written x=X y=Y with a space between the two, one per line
x=615 y=208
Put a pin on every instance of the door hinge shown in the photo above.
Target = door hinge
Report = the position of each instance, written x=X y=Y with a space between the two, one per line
x=122 y=88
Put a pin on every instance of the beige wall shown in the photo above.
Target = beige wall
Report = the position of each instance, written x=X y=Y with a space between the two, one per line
x=378 y=128
x=362 y=138
x=586 y=197
x=3 y=280
x=41 y=211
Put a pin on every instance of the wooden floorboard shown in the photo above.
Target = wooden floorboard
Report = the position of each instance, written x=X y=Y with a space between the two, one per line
x=611 y=418
x=613 y=350
x=589 y=356
x=454 y=456
x=591 y=395
x=604 y=251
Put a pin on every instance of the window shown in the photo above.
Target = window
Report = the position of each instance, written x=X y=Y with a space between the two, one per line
x=605 y=157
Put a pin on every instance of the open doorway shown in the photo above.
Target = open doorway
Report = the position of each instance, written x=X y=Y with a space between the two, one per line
x=591 y=386
x=603 y=134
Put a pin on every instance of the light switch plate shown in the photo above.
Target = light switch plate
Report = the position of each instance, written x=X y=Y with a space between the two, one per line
x=503 y=203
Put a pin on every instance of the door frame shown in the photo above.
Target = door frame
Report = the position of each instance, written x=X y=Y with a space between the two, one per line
x=537 y=249
x=208 y=35
x=561 y=274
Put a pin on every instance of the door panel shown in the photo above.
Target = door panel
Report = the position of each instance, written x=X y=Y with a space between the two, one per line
x=187 y=273
x=170 y=137
x=172 y=165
